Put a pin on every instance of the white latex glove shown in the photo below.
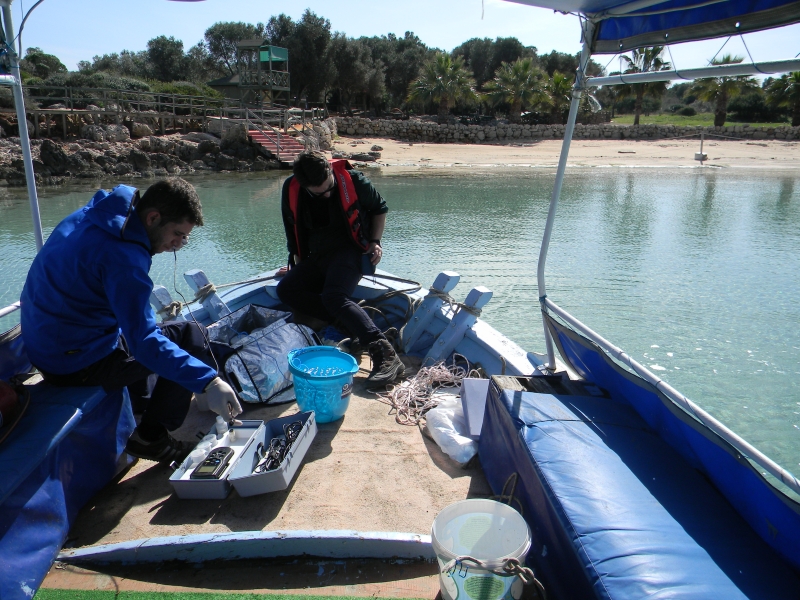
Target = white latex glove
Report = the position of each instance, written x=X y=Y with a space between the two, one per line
x=220 y=398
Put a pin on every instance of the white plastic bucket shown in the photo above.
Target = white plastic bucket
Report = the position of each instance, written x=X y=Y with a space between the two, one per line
x=473 y=540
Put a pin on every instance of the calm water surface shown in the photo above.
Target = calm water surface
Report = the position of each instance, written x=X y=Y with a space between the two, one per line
x=693 y=272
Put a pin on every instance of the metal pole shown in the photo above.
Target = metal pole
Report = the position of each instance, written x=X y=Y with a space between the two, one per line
x=24 y=138
x=577 y=90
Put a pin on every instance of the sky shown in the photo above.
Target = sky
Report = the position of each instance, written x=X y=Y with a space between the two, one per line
x=76 y=31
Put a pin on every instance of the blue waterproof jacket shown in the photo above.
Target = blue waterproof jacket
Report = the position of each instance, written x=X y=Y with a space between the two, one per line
x=88 y=284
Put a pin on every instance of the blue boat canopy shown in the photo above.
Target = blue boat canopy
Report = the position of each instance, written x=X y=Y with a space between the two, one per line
x=622 y=26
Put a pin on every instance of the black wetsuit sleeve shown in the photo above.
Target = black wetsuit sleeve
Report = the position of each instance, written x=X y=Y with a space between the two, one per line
x=288 y=219
x=368 y=197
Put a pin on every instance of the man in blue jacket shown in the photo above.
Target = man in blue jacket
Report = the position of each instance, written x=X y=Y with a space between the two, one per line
x=87 y=320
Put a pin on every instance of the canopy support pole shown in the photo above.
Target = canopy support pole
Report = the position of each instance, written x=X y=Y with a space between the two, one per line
x=577 y=90
x=24 y=138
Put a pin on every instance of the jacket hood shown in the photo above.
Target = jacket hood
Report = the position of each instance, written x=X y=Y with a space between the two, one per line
x=115 y=213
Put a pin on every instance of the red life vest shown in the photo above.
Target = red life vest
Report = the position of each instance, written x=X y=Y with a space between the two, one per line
x=348 y=198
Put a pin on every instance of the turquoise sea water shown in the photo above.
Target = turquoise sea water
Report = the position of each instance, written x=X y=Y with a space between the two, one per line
x=693 y=272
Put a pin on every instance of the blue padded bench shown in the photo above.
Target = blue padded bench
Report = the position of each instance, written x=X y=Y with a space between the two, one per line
x=64 y=449
x=614 y=511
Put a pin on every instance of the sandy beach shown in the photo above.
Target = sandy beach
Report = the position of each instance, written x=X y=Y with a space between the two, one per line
x=766 y=154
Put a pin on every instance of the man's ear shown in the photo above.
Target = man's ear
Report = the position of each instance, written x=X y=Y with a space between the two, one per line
x=152 y=218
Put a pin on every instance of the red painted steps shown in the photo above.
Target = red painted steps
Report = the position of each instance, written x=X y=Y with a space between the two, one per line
x=289 y=149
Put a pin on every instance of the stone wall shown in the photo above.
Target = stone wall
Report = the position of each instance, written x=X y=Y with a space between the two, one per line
x=415 y=130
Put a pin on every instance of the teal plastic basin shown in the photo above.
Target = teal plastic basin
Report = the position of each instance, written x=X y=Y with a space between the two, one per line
x=323 y=380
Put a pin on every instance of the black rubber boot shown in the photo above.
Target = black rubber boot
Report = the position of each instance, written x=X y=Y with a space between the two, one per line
x=164 y=449
x=386 y=365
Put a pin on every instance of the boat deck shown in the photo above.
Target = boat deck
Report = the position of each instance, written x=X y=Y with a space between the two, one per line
x=364 y=473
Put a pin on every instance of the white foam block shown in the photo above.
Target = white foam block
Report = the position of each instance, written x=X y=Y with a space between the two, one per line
x=473 y=400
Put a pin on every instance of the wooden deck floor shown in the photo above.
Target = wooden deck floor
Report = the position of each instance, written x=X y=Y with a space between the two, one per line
x=364 y=473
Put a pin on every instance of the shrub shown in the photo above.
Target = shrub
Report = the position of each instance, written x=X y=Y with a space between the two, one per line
x=687 y=111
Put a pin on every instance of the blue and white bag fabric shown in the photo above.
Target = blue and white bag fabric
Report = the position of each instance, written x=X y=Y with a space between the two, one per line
x=255 y=341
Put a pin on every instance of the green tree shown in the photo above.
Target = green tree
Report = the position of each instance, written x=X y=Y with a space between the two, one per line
x=518 y=84
x=356 y=71
x=310 y=62
x=444 y=81
x=785 y=92
x=221 y=40
x=166 y=59
x=126 y=64
x=720 y=90
x=566 y=63
x=644 y=60
x=402 y=58
x=39 y=64
x=559 y=90
x=484 y=56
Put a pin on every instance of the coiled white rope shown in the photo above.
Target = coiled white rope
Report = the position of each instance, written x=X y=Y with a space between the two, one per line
x=411 y=399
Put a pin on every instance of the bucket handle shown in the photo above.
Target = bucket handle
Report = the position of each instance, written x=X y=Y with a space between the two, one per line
x=504 y=567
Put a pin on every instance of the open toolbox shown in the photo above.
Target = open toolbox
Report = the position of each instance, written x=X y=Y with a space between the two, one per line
x=243 y=458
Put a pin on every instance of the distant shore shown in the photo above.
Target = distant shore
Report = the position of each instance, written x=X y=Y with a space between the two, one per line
x=762 y=154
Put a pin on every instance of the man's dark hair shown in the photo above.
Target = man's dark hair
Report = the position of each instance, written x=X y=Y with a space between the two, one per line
x=175 y=199
x=311 y=168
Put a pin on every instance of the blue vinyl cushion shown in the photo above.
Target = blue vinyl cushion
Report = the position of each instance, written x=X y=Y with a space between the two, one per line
x=64 y=449
x=617 y=513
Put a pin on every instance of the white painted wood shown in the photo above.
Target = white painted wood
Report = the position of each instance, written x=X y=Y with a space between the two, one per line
x=445 y=282
x=258 y=544
x=197 y=280
x=462 y=321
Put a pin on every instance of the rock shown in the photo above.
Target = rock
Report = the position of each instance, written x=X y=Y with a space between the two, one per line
x=187 y=151
x=199 y=165
x=200 y=137
x=377 y=155
x=93 y=132
x=53 y=155
x=363 y=157
x=160 y=172
x=208 y=146
x=139 y=130
x=163 y=145
x=376 y=148
x=225 y=162
x=139 y=160
x=235 y=133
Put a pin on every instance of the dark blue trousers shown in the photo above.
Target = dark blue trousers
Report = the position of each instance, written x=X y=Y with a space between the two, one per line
x=162 y=403
x=321 y=286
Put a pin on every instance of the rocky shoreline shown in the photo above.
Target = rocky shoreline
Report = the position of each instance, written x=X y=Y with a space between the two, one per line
x=112 y=152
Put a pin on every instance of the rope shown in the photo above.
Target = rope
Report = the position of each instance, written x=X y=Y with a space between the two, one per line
x=412 y=399
x=468 y=309
x=510 y=567
x=171 y=310
x=509 y=498
x=443 y=296
x=204 y=292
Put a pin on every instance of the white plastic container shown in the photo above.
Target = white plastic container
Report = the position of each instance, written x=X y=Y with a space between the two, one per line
x=248 y=483
x=186 y=487
x=239 y=473
x=485 y=530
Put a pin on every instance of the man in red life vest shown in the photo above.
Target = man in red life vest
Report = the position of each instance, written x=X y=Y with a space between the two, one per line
x=334 y=219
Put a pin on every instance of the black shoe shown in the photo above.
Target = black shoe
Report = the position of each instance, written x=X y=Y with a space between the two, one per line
x=386 y=365
x=165 y=449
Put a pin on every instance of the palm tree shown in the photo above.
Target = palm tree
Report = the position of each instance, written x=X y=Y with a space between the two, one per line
x=644 y=60
x=518 y=84
x=785 y=91
x=721 y=89
x=444 y=80
x=559 y=89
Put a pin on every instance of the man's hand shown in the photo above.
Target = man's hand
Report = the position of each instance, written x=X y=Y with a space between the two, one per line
x=375 y=252
x=221 y=399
